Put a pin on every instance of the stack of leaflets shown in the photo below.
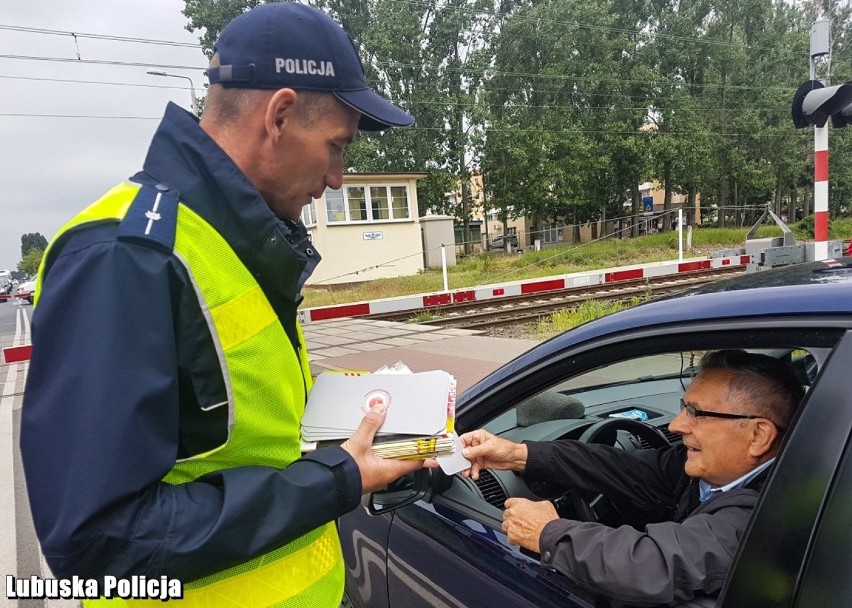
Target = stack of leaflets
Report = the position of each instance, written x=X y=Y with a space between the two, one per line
x=420 y=411
x=418 y=448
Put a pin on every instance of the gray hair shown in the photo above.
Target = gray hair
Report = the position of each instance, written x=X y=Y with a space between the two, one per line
x=760 y=381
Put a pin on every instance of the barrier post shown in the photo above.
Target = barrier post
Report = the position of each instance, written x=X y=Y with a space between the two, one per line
x=444 y=266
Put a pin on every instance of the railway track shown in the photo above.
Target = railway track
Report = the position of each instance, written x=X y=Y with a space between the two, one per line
x=516 y=310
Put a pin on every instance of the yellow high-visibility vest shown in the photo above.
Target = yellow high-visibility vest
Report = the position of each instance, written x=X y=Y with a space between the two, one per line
x=267 y=382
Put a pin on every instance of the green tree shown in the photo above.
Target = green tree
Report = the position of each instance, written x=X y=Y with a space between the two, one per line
x=565 y=106
x=32 y=240
x=567 y=99
x=30 y=261
x=429 y=58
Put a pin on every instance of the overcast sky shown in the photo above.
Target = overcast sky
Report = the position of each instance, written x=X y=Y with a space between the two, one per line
x=52 y=167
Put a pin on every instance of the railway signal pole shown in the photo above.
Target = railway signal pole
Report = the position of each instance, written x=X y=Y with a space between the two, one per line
x=812 y=104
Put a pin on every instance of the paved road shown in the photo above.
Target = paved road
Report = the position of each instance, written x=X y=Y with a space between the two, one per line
x=19 y=551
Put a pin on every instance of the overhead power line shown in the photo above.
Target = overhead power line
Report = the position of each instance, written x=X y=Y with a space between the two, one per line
x=105 y=62
x=105 y=82
x=25 y=115
x=671 y=134
x=36 y=30
x=387 y=65
x=544 y=77
x=513 y=105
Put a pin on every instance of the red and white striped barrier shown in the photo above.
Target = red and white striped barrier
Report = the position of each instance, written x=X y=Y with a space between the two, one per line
x=20 y=349
x=6 y=297
x=16 y=354
x=489 y=292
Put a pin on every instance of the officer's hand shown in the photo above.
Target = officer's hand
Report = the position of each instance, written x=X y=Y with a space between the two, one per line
x=487 y=451
x=376 y=473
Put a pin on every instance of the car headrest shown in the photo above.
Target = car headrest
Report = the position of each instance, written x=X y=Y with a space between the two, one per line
x=548 y=406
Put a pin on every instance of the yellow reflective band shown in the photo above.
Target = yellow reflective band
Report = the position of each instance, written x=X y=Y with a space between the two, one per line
x=267 y=585
x=272 y=583
x=243 y=317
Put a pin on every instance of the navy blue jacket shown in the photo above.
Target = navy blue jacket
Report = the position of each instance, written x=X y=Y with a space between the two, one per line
x=123 y=366
x=683 y=554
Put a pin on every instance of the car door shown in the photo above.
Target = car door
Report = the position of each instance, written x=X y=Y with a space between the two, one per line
x=447 y=551
x=440 y=558
x=798 y=550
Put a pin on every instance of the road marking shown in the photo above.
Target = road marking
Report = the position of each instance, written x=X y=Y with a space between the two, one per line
x=8 y=515
x=26 y=335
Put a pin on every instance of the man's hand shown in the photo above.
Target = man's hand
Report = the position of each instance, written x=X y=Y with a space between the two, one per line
x=523 y=521
x=487 y=451
x=376 y=473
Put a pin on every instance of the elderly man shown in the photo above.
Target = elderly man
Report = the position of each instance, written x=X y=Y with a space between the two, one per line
x=732 y=420
x=160 y=431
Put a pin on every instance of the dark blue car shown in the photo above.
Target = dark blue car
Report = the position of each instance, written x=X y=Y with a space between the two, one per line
x=434 y=540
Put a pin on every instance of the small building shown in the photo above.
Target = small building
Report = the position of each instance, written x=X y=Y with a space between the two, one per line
x=368 y=229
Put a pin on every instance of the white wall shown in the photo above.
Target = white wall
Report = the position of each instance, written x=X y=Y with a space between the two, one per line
x=349 y=255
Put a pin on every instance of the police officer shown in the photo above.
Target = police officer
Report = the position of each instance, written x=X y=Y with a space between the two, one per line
x=160 y=433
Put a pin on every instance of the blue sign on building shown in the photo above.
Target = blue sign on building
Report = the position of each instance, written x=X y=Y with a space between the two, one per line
x=647 y=205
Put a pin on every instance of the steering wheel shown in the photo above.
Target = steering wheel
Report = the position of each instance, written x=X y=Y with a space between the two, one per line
x=606 y=432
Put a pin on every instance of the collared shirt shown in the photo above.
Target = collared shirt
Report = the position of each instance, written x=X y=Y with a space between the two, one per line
x=707 y=491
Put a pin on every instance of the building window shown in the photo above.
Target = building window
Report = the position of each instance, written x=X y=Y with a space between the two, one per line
x=550 y=233
x=379 y=203
x=357 y=203
x=309 y=214
x=335 y=206
x=399 y=198
x=362 y=203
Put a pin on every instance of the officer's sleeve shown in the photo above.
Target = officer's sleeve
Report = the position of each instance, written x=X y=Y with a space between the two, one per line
x=100 y=430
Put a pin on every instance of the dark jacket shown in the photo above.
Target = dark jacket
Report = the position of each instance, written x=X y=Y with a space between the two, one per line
x=672 y=561
x=122 y=370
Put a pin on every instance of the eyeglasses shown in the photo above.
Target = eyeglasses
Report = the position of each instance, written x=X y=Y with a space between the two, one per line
x=695 y=413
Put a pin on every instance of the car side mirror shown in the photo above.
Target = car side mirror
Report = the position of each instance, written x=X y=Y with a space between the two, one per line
x=404 y=491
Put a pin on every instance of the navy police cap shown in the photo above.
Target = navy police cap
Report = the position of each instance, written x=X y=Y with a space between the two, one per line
x=290 y=45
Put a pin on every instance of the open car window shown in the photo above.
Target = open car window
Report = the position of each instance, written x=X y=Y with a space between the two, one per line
x=647 y=388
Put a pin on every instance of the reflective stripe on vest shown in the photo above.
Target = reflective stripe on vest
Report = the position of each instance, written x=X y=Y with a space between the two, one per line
x=266 y=381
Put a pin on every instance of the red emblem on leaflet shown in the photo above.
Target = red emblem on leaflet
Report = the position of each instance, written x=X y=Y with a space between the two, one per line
x=374 y=398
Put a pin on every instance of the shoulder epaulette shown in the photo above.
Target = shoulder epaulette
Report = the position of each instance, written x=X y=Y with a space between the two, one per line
x=152 y=217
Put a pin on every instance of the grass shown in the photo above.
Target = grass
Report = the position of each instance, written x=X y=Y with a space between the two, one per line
x=424 y=316
x=498 y=267
x=589 y=310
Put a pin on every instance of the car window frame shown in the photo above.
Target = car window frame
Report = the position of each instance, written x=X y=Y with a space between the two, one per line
x=476 y=412
x=779 y=540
